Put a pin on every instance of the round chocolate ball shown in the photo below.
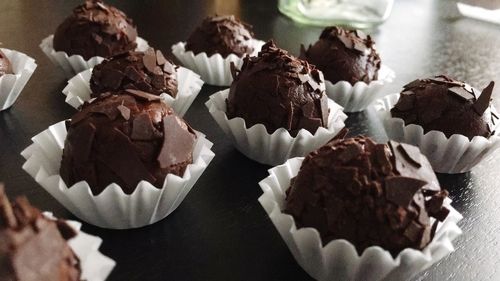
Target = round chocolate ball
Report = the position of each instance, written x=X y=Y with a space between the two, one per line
x=344 y=55
x=147 y=71
x=368 y=194
x=279 y=91
x=126 y=138
x=222 y=35
x=95 y=29
x=5 y=65
x=447 y=105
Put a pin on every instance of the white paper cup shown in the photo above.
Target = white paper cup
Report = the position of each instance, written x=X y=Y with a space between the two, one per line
x=94 y=265
x=189 y=85
x=339 y=260
x=74 y=64
x=456 y=154
x=112 y=208
x=359 y=96
x=272 y=149
x=214 y=70
x=11 y=85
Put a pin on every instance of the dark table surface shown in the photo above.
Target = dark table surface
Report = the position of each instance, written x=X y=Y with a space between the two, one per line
x=220 y=232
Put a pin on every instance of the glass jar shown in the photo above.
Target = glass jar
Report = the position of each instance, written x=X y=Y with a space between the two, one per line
x=360 y=14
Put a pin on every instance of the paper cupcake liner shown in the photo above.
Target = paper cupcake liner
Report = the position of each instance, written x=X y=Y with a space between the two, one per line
x=11 y=85
x=339 y=260
x=214 y=70
x=74 y=64
x=456 y=154
x=272 y=149
x=94 y=265
x=189 y=85
x=359 y=96
x=112 y=208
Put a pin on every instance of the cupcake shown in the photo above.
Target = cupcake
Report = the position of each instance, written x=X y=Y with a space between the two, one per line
x=127 y=150
x=276 y=107
x=351 y=65
x=36 y=247
x=453 y=123
x=214 y=45
x=92 y=32
x=353 y=209
x=16 y=69
x=147 y=71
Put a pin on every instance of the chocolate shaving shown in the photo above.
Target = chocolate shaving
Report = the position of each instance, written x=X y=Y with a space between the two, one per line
x=483 y=102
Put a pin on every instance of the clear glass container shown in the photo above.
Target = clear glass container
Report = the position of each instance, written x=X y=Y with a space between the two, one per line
x=360 y=14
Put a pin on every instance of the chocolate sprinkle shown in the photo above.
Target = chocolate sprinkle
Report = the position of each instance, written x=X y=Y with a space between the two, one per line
x=369 y=194
x=95 y=29
x=126 y=145
x=279 y=91
x=447 y=105
x=34 y=246
x=344 y=55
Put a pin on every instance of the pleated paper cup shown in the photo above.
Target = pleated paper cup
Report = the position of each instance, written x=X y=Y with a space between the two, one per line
x=453 y=155
x=338 y=260
x=214 y=69
x=94 y=265
x=272 y=149
x=189 y=85
x=11 y=85
x=112 y=208
x=73 y=64
x=358 y=97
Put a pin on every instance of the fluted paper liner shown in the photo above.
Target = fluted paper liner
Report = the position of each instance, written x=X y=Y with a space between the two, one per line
x=214 y=69
x=272 y=149
x=456 y=154
x=94 y=265
x=339 y=260
x=11 y=85
x=112 y=208
x=359 y=96
x=189 y=85
x=74 y=64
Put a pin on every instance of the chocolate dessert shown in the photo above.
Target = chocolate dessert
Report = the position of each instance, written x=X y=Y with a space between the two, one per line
x=126 y=138
x=344 y=55
x=222 y=35
x=5 y=65
x=447 y=105
x=95 y=29
x=33 y=247
x=279 y=91
x=147 y=71
x=369 y=194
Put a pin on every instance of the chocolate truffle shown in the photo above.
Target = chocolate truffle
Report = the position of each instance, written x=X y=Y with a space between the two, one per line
x=344 y=55
x=32 y=247
x=126 y=138
x=447 y=105
x=279 y=91
x=222 y=35
x=95 y=29
x=146 y=71
x=5 y=65
x=369 y=194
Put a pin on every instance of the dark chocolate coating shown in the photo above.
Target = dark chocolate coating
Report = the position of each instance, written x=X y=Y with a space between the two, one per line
x=344 y=55
x=222 y=35
x=146 y=71
x=5 y=65
x=123 y=139
x=447 y=105
x=32 y=247
x=369 y=194
x=279 y=91
x=95 y=29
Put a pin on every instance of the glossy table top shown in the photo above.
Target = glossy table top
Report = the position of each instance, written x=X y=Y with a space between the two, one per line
x=220 y=231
